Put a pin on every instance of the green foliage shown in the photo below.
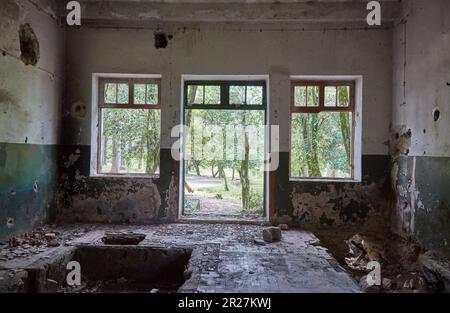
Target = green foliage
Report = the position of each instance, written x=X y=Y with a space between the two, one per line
x=130 y=140
x=321 y=142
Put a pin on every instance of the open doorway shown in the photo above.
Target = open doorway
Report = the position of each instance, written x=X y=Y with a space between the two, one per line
x=224 y=148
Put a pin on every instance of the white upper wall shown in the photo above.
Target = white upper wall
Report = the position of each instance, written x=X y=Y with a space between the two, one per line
x=30 y=96
x=420 y=77
x=226 y=50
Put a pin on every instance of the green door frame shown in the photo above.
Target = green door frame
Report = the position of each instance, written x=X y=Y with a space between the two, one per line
x=224 y=105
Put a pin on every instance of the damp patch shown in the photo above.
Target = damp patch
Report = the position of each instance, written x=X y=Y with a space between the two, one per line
x=29 y=45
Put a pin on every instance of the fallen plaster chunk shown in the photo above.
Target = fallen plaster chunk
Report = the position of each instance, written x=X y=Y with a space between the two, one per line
x=272 y=234
x=123 y=238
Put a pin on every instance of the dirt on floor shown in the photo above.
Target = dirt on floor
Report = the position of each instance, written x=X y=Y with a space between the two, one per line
x=399 y=259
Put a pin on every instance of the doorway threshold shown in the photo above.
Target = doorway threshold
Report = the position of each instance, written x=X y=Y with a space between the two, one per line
x=221 y=220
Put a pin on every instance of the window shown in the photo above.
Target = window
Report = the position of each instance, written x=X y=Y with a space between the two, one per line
x=129 y=126
x=222 y=94
x=322 y=129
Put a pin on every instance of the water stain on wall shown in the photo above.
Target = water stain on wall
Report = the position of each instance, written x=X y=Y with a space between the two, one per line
x=29 y=45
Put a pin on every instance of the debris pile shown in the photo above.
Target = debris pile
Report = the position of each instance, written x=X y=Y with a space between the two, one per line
x=388 y=265
x=37 y=241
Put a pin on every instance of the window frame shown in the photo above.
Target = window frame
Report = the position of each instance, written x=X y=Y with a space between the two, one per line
x=225 y=94
x=102 y=81
x=351 y=108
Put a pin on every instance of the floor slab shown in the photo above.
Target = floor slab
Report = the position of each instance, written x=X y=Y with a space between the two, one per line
x=226 y=257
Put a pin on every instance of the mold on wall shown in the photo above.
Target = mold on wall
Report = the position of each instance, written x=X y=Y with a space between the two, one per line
x=27 y=180
x=331 y=205
x=109 y=199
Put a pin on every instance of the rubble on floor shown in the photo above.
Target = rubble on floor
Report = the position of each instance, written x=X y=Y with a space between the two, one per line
x=225 y=258
x=398 y=263
x=13 y=280
x=38 y=241
x=436 y=269
x=271 y=234
x=123 y=238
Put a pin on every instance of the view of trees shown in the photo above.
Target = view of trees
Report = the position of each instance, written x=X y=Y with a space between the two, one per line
x=131 y=137
x=321 y=142
x=237 y=163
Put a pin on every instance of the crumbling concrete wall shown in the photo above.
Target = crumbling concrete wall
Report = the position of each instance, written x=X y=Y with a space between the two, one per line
x=420 y=171
x=279 y=50
x=31 y=82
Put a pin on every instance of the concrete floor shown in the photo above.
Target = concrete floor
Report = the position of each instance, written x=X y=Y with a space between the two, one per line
x=225 y=257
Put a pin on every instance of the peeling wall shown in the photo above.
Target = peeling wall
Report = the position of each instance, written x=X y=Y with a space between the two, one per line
x=420 y=142
x=232 y=49
x=31 y=83
x=81 y=198
x=322 y=206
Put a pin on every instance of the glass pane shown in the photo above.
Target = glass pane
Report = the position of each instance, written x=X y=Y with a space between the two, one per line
x=122 y=93
x=330 y=96
x=237 y=94
x=313 y=96
x=255 y=95
x=130 y=141
x=139 y=94
x=343 y=96
x=152 y=94
x=224 y=138
x=110 y=93
x=321 y=145
x=300 y=96
x=195 y=95
x=212 y=94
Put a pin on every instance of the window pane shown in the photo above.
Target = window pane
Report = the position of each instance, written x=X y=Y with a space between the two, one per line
x=343 y=96
x=330 y=96
x=122 y=93
x=195 y=95
x=254 y=95
x=321 y=145
x=110 y=93
x=130 y=141
x=237 y=94
x=212 y=94
x=313 y=96
x=139 y=94
x=300 y=96
x=152 y=94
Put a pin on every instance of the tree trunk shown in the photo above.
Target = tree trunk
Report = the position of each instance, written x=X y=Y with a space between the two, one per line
x=105 y=150
x=188 y=188
x=115 y=156
x=310 y=129
x=243 y=172
x=223 y=175
x=153 y=151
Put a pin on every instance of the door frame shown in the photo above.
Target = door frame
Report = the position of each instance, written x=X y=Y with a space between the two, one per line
x=262 y=80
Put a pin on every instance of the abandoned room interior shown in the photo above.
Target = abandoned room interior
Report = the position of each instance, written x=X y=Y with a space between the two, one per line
x=199 y=146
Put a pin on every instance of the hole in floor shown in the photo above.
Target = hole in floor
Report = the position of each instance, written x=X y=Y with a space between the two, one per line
x=124 y=269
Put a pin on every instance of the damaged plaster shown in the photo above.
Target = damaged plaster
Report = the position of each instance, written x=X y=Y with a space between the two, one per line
x=29 y=45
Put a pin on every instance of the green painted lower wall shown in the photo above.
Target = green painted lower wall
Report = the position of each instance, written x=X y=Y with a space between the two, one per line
x=423 y=201
x=27 y=184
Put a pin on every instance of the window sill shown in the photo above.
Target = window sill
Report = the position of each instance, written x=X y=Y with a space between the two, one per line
x=95 y=176
x=324 y=180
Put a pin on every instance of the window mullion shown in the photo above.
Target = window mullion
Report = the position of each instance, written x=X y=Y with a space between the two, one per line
x=131 y=92
x=321 y=96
